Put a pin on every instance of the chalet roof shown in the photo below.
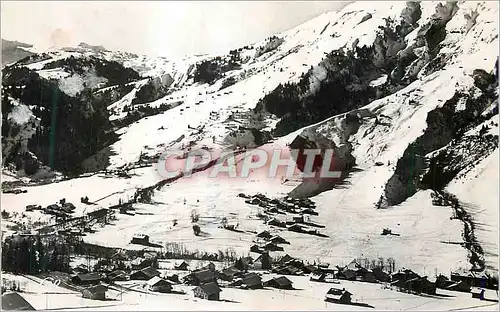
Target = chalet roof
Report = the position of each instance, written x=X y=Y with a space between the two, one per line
x=117 y=273
x=353 y=265
x=349 y=273
x=204 y=275
x=466 y=273
x=413 y=279
x=97 y=288
x=337 y=293
x=158 y=281
x=149 y=271
x=264 y=234
x=311 y=268
x=69 y=206
x=14 y=301
x=292 y=269
x=282 y=281
x=150 y=253
x=251 y=279
x=182 y=263
x=89 y=277
x=210 y=288
x=285 y=258
x=231 y=271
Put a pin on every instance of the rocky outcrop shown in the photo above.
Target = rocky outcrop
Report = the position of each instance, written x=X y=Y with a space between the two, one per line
x=444 y=149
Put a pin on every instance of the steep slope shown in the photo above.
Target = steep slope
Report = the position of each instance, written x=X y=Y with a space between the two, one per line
x=13 y=51
x=400 y=90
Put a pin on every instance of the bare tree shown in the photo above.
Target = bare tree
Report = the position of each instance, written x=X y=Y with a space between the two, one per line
x=196 y=229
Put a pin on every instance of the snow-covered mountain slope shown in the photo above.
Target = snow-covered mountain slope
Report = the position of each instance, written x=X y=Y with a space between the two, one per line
x=403 y=89
x=13 y=51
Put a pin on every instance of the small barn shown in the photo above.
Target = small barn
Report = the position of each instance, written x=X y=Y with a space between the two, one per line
x=473 y=279
x=276 y=222
x=229 y=274
x=13 y=301
x=200 y=277
x=348 y=274
x=159 y=284
x=87 y=279
x=174 y=279
x=296 y=228
x=95 y=292
x=367 y=276
x=251 y=281
x=140 y=239
x=118 y=275
x=264 y=234
x=145 y=274
x=209 y=291
x=279 y=282
x=285 y=259
x=183 y=266
x=338 y=296
x=381 y=276
x=309 y=268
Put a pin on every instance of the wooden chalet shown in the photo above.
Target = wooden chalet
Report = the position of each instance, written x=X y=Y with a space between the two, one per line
x=95 y=292
x=251 y=281
x=200 y=277
x=338 y=296
x=140 y=239
x=381 y=275
x=118 y=275
x=145 y=274
x=87 y=279
x=183 y=266
x=279 y=282
x=229 y=274
x=158 y=284
x=474 y=279
x=209 y=291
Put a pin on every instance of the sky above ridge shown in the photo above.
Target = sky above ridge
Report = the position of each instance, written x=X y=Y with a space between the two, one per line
x=154 y=27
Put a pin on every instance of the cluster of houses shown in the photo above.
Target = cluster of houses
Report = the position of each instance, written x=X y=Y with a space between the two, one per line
x=288 y=213
x=468 y=281
x=208 y=280
x=62 y=210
